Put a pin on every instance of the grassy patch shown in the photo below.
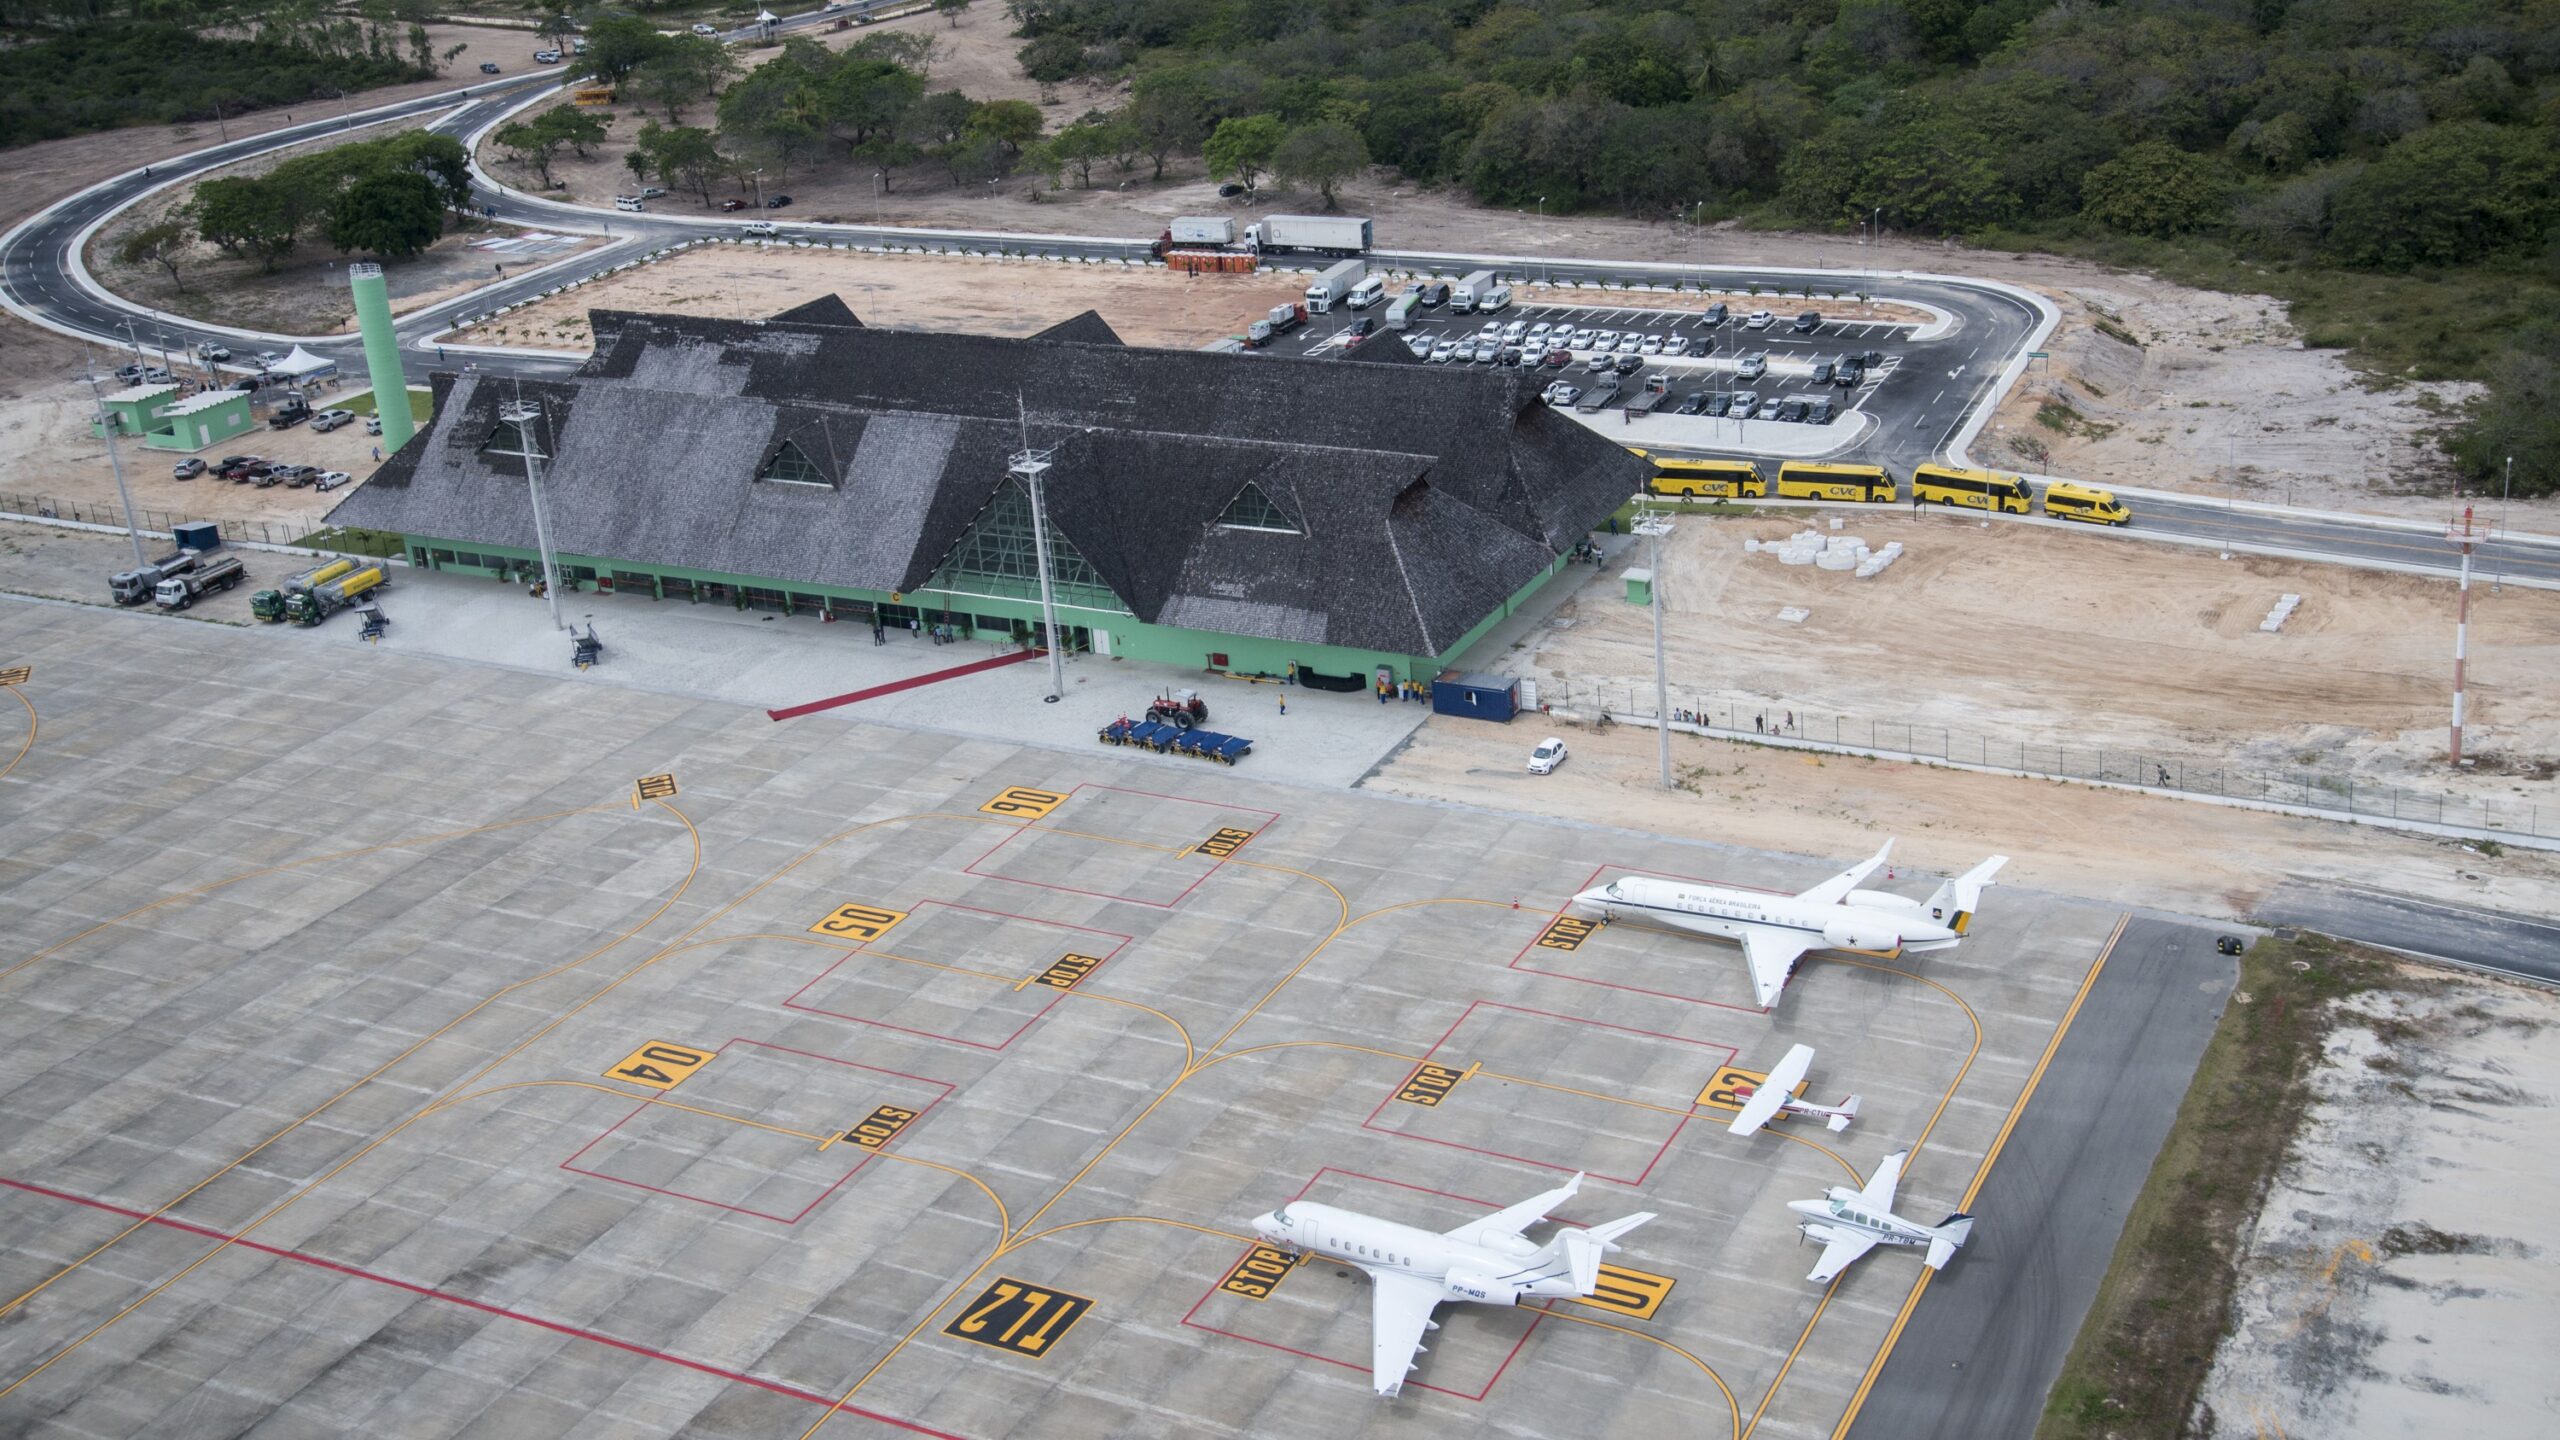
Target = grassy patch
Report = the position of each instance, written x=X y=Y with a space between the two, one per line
x=418 y=403
x=2165 y=1305
x=350 y=541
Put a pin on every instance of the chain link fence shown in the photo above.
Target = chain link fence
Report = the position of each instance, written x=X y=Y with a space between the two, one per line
x=45 y=507
x=2142 y=768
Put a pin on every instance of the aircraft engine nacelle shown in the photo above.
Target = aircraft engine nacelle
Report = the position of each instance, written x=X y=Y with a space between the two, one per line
x=1482 y=1288
x=1881 y=900
x=1851 y=933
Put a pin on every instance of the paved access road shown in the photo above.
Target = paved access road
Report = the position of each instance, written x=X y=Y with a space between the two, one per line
x=2003 y=1314
x=2363 y=541
x=2525 y=947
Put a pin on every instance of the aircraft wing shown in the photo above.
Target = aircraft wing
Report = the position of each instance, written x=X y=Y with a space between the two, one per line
x=1879 y=1187
x=1763 y=1105
x=1400 y=1307
x=1831 y=891
x=1844 y=1248
x=1513 y=1220
x=1772 y=954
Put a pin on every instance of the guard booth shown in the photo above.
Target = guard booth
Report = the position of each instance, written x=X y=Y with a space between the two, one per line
x=1639 y=587
x=1477 y=697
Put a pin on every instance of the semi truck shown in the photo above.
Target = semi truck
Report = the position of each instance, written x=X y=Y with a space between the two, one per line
x=331 y=596
x=1282 y=320
x=1309 y=234
x=132 y=587
x=1334 y=286
x=268 y=605
x=1470 y=290
x=182 y=589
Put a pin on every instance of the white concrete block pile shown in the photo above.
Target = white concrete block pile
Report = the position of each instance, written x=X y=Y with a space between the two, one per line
x=1828 y=552
x=2282 y=612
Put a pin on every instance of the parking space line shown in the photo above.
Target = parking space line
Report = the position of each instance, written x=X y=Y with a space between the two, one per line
x=28 y=744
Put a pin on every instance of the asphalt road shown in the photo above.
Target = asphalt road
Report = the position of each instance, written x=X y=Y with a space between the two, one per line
x=1988 y=1339
x=2517 y=945
x=2346 y=539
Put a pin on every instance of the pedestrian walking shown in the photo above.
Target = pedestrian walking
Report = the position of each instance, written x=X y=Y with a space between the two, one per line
x=1284 y=704
x=1791 y=720
x=877 y=636
x=377 y=454
x=1382 y=696
x=915 y=628
x=1760 y=722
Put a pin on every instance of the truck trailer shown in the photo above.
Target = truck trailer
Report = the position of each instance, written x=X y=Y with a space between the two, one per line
x=1470 y=291
x=268 y=605
x=1201 y=230
x=1335 y=285
x=132 y=587
x=1309 y=234
x=181 y=590
x=327 y=598
x=1282 y=320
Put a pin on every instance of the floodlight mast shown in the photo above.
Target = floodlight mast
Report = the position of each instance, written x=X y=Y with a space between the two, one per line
x=1028 y=466
x=523 y=416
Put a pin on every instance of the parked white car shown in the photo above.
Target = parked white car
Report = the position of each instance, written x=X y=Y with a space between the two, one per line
x=331 y=479
x=760 y=227
x=1548 y=755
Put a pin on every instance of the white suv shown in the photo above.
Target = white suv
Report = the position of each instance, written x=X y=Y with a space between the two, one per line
x=761 y=227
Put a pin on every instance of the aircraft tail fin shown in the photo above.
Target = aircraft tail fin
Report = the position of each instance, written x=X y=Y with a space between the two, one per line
x=1583 y=1248
x=1846 y=1112
x=1954 y=902
x=1949 y=1237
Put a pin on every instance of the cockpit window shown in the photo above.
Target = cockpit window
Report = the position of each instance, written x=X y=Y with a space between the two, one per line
x=1282 y=1215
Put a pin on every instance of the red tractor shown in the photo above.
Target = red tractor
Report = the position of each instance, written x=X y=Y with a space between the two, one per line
x=1182 y=709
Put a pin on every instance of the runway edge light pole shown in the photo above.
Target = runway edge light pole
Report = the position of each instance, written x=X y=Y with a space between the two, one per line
x=382 y=355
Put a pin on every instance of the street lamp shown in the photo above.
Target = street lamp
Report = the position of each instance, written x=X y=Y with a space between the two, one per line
x=758 y=177
x=109 y=425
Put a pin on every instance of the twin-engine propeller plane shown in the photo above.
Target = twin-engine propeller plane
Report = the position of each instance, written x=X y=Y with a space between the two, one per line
x=1776 y=930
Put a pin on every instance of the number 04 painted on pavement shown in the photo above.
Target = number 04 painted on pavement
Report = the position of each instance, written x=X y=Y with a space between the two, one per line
x=660 y=1065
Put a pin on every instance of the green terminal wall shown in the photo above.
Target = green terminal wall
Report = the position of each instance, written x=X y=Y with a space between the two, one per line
x=982 y=616
x=382 y=355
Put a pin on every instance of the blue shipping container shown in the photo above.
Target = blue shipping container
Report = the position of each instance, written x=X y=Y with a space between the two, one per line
x=1478 y=697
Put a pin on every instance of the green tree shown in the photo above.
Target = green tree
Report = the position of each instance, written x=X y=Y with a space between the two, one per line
x=2448 y=195
x=1320 y=156
x=951 y=10
x=1075 y=147
x=680 y=157
x=395 y=215
x=537 y=140
x=2155 y=188
x=1012 y=124
x=247 y=216
x=164 y=243
x=2520 y=418
x=1241 y=148
x=778 y=109
x=618 y=45
x=1052 y=58
x=688 y=68
x=1168 y=114
x=868 y=97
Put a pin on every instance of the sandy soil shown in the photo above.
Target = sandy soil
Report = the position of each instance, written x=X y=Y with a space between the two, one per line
x=2399 y=1279
x=2114 y=847
x=917 y=292
x=2029 y=634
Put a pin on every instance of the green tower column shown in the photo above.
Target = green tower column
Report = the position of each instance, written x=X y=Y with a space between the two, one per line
x=382 y=355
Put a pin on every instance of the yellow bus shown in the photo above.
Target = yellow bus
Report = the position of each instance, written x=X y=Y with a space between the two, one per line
x=1803 y=480
x=2086 y=503
x=1973 y=489
x=1709 y=479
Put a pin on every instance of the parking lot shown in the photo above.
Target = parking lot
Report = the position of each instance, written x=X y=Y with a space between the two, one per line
x=434 y=1049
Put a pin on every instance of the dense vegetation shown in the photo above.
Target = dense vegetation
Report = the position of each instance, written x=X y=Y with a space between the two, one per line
x=2391 y=165
x=387 y=197
x=108 y=73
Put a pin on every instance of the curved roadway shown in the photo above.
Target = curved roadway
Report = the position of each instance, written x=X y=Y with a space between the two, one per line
x=1945 y=377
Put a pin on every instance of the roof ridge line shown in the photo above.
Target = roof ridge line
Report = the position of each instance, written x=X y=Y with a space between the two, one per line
x=1421 y=620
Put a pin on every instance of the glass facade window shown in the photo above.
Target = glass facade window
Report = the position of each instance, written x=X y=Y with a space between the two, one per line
x=997 y=557
x=1253 y=510
x=790 y=465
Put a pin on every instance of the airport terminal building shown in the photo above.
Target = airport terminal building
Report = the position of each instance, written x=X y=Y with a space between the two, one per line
x=1230 y=511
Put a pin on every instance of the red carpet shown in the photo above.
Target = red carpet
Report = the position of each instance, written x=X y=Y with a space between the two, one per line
x=910 y=683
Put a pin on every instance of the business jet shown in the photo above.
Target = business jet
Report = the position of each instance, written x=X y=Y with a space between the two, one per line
x=1413 y=1272
x=1849 y=1223
x=1778 y=1093
x=1776 y=930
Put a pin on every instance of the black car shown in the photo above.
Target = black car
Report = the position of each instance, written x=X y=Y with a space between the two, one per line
x=1808 y=322
x=1793 y=411
x=1822 y=373
x=1717 y=314
x=1870 y=359
x=1230 y=190
x=247 y=382
x=777 y=202
x=1850 y=374
x=1363 y=327
x=1630 y=364
x=1693 y=403
x=488 y=67
x=1511 y=355
x=1821 y=413
x=1720 y=404
x=1437 y=295
x=1701 y=345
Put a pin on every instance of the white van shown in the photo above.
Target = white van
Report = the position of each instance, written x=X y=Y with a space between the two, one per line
x=1367 y=293
x=627 y=202
x=1497 y=298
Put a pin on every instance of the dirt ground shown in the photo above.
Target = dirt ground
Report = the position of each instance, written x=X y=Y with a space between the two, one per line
x=908 y=292
x=2111 y=846
x=2398 y=1280
x=2036 y=635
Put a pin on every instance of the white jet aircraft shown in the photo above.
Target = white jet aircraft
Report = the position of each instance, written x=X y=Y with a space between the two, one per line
x=1412 y=1272
x=1778 y=1093
x=1849 y=1223
x=1776 y=930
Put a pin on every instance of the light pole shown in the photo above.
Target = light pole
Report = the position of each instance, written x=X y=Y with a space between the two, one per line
x=523 y=416
x=1027 y=466
x=2498 y=570
x=758 y=177
x=108 y=426
x=1651 y=526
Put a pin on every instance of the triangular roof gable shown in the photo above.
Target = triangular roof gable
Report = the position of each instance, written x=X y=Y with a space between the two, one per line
x=1088 y=328
x=825 y=310
x=1251 y=509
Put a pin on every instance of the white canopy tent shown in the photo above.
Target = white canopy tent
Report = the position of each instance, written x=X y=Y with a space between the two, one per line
x=303 y=365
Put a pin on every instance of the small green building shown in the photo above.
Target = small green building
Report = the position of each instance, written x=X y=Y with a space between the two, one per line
x=161 y=420
x=1245 y=513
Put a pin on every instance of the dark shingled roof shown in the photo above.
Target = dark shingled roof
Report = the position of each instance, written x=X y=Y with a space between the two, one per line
x=1088 y=327
x=825 y=310
x=1422 y=496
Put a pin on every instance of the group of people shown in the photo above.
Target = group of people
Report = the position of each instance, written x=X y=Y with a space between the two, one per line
x=1409 y=691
